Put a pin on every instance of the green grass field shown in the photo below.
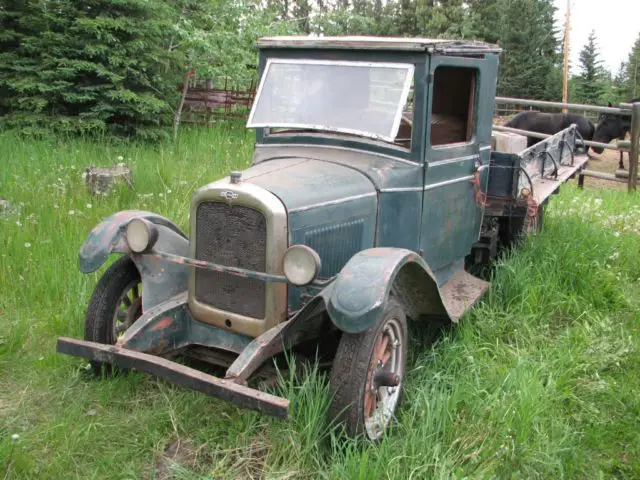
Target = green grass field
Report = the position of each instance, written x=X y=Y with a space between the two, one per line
x=541 y=380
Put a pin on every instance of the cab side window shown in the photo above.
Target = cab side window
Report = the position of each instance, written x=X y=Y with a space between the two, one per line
x=452 y=110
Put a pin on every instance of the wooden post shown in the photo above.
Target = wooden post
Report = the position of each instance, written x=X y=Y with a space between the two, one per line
x=565 y=69
x=635 y=147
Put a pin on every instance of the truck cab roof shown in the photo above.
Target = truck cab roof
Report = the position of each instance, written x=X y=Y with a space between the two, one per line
x=430 y=45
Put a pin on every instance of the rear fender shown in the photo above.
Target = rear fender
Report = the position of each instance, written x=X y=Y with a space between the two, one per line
x=356 y=300
x=160 y=280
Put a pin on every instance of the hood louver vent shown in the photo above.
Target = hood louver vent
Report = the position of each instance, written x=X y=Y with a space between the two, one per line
x=335 y=244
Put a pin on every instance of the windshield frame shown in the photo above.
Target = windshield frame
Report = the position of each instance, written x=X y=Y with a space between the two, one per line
x=408 y=67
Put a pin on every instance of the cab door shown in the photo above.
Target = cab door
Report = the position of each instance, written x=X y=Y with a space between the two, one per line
x=461 y=92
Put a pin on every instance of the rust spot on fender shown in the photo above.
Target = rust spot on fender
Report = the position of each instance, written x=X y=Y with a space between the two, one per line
x=162 y=324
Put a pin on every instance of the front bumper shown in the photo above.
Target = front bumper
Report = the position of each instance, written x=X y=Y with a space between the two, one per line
x=227 y=390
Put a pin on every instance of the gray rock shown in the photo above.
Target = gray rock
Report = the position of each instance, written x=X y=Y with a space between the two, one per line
x=6 y=209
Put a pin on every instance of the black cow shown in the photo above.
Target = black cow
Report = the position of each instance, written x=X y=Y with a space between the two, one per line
x=550 y=123
x=610 y=126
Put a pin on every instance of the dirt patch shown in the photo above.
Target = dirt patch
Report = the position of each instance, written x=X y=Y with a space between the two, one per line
x=250 y=461
x=606 y=162
x=179 y=453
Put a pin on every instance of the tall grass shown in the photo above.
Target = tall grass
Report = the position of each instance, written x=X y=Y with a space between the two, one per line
x=541 y=380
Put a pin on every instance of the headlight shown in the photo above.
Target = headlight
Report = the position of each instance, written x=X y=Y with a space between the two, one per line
x=301 y=264
x=141 y=235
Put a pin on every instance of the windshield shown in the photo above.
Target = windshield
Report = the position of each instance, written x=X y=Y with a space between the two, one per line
x=361 y=98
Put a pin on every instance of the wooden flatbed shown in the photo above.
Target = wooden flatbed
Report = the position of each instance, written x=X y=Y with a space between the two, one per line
x=545 y=187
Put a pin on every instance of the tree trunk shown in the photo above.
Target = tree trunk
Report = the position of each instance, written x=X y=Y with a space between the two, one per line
x=100 y=181
x=178 y=113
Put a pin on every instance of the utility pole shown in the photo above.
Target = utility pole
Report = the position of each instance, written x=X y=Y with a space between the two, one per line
x=566 y=48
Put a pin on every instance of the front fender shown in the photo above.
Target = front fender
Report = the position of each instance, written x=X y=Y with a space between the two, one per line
x=160 y=280
x=108 y=237
x=356 y=300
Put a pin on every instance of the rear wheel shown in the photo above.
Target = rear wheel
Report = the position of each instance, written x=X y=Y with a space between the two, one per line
x=366 y=379
x=115 y=304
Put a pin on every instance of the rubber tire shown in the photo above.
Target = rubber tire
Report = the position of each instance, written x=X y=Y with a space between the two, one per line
x=351 y=366
x=98 y=326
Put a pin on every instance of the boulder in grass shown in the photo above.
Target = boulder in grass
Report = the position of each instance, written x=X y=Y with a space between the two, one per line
x=6 y=209
x=100 y=180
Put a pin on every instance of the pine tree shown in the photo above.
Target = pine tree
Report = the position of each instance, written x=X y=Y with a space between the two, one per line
x=619 y=84
x=633 y=71
x=302 y=11
x=82 y=67
x=485 y=16
x=405 y=18
x=590 y=84
x=443 y=19
x=529 y=40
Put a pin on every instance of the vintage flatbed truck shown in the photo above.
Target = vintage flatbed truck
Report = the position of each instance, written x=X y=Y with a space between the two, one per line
x=373 y=186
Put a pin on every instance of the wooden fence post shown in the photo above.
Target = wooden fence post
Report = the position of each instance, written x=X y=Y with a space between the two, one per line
x=635 y=147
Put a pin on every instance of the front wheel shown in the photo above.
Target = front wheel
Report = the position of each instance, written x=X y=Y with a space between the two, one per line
x=115 y=304
x=367 y=373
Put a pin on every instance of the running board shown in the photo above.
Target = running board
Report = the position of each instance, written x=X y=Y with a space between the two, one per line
x=173 y=372
x=461 y=292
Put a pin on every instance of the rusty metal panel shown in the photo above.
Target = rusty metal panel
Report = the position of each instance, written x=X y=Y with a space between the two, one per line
x=461 y=292
x=384 y=171
x=169 y=326
x=107 y=237
x=357 y=298
x=305 y=183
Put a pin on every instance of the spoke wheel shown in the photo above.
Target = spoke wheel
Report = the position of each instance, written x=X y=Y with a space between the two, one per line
x=115 y=305
x=128 y=310
x=387 y=366
x=367 y=375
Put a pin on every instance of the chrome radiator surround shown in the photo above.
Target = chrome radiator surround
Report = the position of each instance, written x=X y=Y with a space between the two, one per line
x=252 y=196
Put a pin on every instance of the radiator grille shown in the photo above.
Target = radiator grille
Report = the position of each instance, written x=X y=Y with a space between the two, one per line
x=234 y=236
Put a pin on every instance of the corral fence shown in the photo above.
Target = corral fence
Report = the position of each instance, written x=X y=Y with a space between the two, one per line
x=508 y=106
x=206 y=100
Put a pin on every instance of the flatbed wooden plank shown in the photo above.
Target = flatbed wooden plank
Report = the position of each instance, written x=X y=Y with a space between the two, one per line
x=543 y=188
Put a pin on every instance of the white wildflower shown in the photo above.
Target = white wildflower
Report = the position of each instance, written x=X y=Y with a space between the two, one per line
x=18 y=223
x=169 y=190
x=120 y=158
x=89 y=205
x=72 y=212
x=15 y=437
x=27 y=245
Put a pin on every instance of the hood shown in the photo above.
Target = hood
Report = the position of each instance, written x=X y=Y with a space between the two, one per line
x=303 y=184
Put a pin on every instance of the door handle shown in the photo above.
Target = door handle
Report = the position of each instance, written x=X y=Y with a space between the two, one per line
x=480 y=167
